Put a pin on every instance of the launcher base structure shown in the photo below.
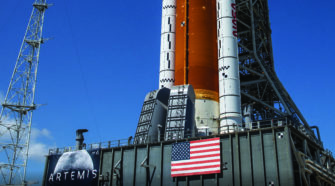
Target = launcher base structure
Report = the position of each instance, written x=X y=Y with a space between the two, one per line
x=278 y=153
x=275 y=155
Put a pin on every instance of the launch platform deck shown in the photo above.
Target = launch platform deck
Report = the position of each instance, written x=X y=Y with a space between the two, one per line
x=280 y=154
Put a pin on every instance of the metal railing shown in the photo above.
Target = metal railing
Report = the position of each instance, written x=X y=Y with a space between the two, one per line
x=204 y=131
x=93 y=146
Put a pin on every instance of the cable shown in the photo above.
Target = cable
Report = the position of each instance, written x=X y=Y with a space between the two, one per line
x=82 y=75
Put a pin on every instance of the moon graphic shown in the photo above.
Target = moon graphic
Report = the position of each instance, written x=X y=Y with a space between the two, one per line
x=79 y=160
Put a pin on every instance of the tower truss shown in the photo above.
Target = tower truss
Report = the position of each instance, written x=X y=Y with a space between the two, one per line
x=18 y=106
x=263 y=95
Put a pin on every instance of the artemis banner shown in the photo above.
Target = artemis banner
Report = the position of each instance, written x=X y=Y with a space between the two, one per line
x=73 y=168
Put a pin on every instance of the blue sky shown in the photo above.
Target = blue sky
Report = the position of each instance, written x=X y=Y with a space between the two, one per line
x=103 y=57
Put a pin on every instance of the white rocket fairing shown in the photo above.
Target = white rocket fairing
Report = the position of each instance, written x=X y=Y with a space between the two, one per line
x=229 y=81
x=168 y=40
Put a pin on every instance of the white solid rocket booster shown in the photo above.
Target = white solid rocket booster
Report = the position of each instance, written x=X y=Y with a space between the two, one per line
x=168 y=40
x=229 y=81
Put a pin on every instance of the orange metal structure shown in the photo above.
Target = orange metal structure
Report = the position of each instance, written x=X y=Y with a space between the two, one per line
x=196 y=47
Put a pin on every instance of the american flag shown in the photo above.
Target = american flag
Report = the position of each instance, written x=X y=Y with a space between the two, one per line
x=196 y=157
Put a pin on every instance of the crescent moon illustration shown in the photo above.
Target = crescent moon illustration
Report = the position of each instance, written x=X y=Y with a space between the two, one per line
x=80 y=160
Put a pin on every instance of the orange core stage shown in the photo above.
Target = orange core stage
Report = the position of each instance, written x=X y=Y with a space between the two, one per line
x=196 y=47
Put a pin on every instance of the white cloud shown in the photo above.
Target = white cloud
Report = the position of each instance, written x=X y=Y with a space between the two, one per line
x=37 y=151
x=39 y=146
x=37 y=133
x=4 y=132
x=5 y=123
x=40 y=139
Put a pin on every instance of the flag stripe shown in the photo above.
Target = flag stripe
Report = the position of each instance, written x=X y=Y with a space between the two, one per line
x=198 y=146
x=196 y=170
x=198 y=166
x=192 y=168
x=195 y=165
x=208 y=150
x=195 y=173
x=190 y=163
x=205 y=148
x=205 y=140
x=206 y=156
x=213 y=151
x=197 y=159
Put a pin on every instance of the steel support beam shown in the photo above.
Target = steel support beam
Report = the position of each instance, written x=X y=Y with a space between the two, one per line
x=263 y=103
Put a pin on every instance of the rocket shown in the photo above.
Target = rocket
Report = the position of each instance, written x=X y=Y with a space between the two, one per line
x=168 y=42
x=199 y=47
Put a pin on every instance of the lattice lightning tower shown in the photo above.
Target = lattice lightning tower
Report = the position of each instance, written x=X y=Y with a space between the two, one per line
x=18 y=106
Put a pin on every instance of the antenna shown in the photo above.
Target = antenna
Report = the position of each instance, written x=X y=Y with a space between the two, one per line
x=18 y=106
